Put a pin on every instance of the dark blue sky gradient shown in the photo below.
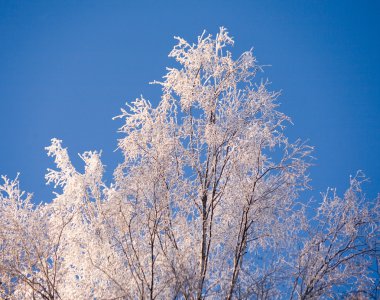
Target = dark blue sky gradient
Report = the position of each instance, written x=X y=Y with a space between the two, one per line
x=66 y=67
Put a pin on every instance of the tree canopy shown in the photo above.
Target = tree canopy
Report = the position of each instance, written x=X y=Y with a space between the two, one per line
x=205 y=204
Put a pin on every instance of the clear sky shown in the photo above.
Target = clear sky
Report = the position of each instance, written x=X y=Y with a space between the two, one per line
x=66 y=68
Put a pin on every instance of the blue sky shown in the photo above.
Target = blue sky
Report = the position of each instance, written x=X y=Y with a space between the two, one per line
x=66 y=68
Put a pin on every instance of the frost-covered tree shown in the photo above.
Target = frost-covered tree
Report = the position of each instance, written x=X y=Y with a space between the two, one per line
x=205 y=203
x=339 y=250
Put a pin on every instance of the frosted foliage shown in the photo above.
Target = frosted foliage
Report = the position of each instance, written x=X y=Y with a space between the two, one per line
x=205 y=203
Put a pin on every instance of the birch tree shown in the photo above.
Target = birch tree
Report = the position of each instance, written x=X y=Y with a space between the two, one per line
x=337 y=256
x=206 y=203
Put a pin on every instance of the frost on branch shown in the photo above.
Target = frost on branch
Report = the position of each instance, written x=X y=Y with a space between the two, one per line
x=62 y=160
x=205 y=204
x=337 y=257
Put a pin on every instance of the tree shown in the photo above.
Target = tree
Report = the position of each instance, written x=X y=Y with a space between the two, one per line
x=205 y=203
x=336 y=255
